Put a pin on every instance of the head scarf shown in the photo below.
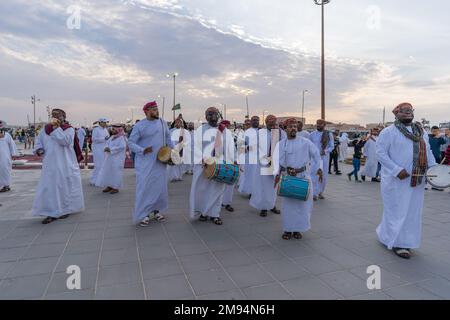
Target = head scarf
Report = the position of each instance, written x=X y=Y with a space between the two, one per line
x=289 y=121
x=150 y=105
x=120 y=131
x=400 y=106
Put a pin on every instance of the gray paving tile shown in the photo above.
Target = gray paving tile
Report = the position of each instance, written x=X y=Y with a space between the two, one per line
x=24 y=287
x=377 y=295
x=118 y=274
x=310 y=288
x=234 y=257
x=120 y=256
x=272 y=291
x=318 y=264
x=249 y=275
x=72 y=295
x=59 y=237
x=170 y=288
x=210 y=281
x=5 y=267
x=345 y=283
x=410 y=292
x=129 y=291
x=438 y=286
x=160 y=268
x=285 y=269
x=264 y=253
x=80 y=235
x=388 y=279
x=15 y=242
x=33 y=267
x=44 y=251
x=12 y=254
x=199 y=262
x=225 y=295
x=83 y=260
x=119 y=243
x=190 y=248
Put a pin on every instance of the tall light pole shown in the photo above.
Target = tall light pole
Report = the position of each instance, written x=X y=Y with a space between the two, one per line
x=174 y=75
x=263 y=119
x=303 y=104
x=164 y=102
x=246 y=100
x=322 y=3
x=33 y=102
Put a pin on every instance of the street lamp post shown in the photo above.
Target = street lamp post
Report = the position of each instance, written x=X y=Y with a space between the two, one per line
x=303 y=103
x=174 y=75
x=263 y=119
x=33 y=102
x=164 y=102
x=246 y=100
x=322 y=3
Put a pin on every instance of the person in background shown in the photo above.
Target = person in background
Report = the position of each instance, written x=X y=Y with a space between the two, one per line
x=358 y=146
x=447 y=143
x=436 y=141
x=334 y=155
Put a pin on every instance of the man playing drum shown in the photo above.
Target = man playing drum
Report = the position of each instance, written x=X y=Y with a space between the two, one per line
x=149 y=136
x=293 y=156
x=405 y=155
x=212 y=144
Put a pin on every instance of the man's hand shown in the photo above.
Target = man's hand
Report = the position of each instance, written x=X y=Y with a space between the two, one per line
x=277 y=180
x=107 y=150
x=320 y=174
x=40 y=152
x=148 y=150
x=403 y=175
x=55 y=123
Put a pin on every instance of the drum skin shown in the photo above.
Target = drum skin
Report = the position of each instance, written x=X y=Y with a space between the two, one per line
x=223 y=173
x=164 y=154
x=293 y=187
x=439 y=176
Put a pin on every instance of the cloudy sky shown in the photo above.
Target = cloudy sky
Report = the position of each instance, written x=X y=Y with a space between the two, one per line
x=379 y=53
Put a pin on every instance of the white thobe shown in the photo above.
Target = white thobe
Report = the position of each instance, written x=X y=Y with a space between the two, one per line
x=249 y=161
x=111 y=173
x=264 y=195
x=316 y=136
x=151 y=174
x=81 y=134
x=176 y=172
x=99 y=137
x=228 y=195
x=304 y=134
x=59 y=191
x=7 y=151
x=401 y=225
x=371 y=166
x=206 y=194
x=297 y=153
x=343 y=147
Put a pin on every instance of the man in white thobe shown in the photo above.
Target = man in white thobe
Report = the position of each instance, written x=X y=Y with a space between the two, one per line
x=100 y=135
x=8 y=151
x=301 y=132
x=81 y=133
x=181 y=139
x=343 y=147
x=264 y=195
x=111 y=173
x=147 y=138
x=59 y=192
x=405 y=155
x=212 y=142
x=251 y=157
x=294 y=156
x=229 y=188
x=324 y=141
x=371 y=166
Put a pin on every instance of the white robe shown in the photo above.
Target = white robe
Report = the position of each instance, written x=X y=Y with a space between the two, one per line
x=296 y=153
x=207 y=195
x=402 y=204
x=7 y=151
x=263 y=193
x=151 y=174
x=249 y=161
x=304 y=134
x=343 y=147
x=371 y=167
x=81 y=133
x=111 y=173
x=316 y=136
x=228 y=195
x=59 y=191
x=99 y=137
x=176 y=172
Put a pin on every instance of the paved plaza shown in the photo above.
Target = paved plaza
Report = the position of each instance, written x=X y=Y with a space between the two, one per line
x=243 y=259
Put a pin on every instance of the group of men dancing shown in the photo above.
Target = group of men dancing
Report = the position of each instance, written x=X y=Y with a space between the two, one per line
x=263 y=155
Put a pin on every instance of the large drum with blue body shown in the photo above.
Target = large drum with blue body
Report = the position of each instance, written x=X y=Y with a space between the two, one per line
x=294 y=187
x=222 y=172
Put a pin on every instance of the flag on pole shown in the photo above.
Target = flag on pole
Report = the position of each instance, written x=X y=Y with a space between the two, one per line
x=176 y=107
